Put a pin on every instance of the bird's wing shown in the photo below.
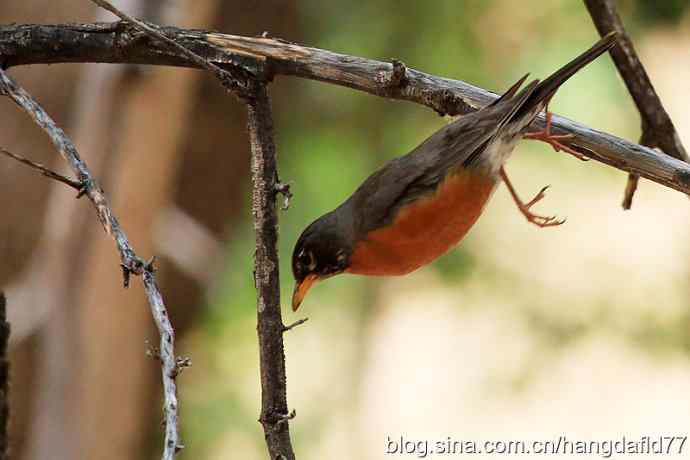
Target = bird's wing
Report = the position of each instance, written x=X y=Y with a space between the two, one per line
x=407 y=178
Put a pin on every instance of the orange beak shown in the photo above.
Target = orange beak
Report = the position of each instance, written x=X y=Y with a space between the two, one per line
x=301 y=289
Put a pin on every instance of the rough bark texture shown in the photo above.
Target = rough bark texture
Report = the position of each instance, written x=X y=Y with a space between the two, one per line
x=657 y=127
x=153 y=113
x=274 y=409
x=118 y=42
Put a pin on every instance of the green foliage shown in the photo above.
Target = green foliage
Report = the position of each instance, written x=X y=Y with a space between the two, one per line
x=666 y=11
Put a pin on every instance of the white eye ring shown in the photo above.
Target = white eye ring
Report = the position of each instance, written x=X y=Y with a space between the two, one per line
x=311 y=265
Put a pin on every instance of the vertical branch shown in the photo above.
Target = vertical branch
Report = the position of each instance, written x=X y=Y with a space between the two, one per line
x=4 y=377
x=274 y=409
x=657 y=127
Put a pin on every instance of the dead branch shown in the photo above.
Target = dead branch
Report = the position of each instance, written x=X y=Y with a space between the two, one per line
x=657 y=127
x=227 y=79
x=123 y=43
x=130 y=262
x=260 y=121
x=274 y=409
x=43 y=170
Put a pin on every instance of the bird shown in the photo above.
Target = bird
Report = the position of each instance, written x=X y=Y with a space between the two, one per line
x=419 y=205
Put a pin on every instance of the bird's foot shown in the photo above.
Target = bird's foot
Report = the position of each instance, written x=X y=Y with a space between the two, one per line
x=536 y=219
x=524 y=208
x=554 y=140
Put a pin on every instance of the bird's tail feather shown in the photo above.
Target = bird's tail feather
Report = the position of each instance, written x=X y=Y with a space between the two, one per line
x=548 y=87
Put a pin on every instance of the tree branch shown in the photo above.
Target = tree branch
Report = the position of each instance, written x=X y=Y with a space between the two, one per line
x=229 y=81
x=45 y=171
x=120 y=42
x=274 y=409
x=130 y=262
x=657 y=127
x=274 y=414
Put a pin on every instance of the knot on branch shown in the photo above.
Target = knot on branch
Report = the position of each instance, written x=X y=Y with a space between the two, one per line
x=283 y=189
x=274 y=421
x=447 y=102
x=392 y=80
x=239 y=85
x=181 y=362
x=82 y=189
x=136 y=266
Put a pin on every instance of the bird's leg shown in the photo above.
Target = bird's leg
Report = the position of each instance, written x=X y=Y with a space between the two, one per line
x=539 y=221
x=554 y=140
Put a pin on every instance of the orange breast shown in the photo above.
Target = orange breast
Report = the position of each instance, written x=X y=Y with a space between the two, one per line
x=425 y=229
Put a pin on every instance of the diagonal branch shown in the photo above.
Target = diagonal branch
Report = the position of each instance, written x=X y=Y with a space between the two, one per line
x=274 y=409
x=120 y=42
x=657 y=127
x=274 y=415
x=45 y=171
x=130 y=262
x=228 y=80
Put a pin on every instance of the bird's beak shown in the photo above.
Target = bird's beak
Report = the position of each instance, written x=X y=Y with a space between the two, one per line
x=301 y=288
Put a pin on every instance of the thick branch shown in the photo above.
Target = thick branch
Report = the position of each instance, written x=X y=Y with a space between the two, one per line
x=657 y=127
x=274 y=409
x=229 y=81
x=119 y=42
x=131 y=263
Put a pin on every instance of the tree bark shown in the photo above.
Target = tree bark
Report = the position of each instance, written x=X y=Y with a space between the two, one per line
x=274 y=409
x=657 y=128
x=118 y=42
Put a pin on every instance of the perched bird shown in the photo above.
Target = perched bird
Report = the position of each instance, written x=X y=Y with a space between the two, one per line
x=418 y=206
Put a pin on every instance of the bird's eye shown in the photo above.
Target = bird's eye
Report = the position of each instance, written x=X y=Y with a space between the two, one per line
x=306 y=258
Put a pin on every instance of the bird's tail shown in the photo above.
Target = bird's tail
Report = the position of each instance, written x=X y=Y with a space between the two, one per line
x=550 y=85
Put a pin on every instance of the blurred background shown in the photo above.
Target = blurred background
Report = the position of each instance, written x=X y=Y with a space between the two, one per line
x=518 y=334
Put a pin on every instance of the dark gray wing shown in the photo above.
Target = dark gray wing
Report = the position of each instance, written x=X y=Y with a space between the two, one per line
x=406 y=178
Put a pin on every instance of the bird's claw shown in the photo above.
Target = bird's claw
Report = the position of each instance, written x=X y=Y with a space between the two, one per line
x=539 y=221
x=555 y=140
x=542 y=221
x=538 y=197
x=536 y=219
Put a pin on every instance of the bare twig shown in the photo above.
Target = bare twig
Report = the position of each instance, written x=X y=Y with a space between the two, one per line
x=291 y=326
x=45 y=171
x=119 y=42
x=657 y=127
x=229 y=81
x=274 y=409
x=131 y=263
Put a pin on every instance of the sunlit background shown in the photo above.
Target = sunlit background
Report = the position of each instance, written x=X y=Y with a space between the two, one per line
x=520 y=333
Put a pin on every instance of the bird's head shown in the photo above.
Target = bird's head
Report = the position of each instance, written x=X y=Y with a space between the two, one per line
x=321 y=252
